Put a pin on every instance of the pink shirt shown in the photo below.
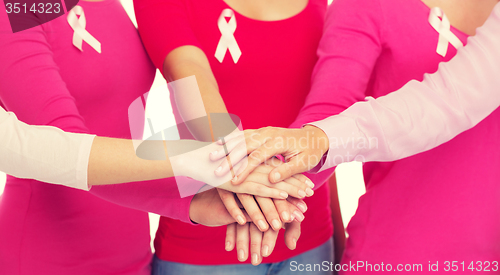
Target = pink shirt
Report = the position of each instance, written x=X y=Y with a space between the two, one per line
x=436 y=206
x=423 y=115
x=266 y=87
x=46 y=80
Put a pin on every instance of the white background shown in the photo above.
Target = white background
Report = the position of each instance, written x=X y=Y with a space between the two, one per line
x=349 y=176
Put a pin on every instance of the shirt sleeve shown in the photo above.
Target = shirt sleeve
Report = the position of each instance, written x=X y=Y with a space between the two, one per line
x=43 y=153
x=31 y=87
x=164 y=25
x=423 y=115
x=347 y=53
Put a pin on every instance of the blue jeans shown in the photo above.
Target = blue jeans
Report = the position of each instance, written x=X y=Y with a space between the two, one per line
x=295 y=265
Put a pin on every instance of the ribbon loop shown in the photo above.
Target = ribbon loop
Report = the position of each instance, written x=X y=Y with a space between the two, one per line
x=227 y=40
x=78 y=25
x=439 y=21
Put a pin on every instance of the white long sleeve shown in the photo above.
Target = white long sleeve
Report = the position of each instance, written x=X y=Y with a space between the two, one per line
x=422 y=115
x=43 y=153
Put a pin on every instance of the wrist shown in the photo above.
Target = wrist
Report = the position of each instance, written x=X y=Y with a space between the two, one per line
x=319 y=138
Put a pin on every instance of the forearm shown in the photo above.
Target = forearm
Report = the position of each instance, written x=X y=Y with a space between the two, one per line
x=194 y=102
x=115 y=161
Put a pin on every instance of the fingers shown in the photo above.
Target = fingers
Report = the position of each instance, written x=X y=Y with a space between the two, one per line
x=235 y=147
x=295 y=188
x=270 y=211
x=300 y=204
x=269 y=242
x=236 y=133
x=255 y=244
x=258 y=184
x=304 y=179
x=283 y=210
x=232 y=206
x=253 y=211
x=230 y=236
x=257 y=157
x=288 y=211
x=242 y=240
x=295 y=165
x=231 y=157
x=225 y=146
x=292 y=234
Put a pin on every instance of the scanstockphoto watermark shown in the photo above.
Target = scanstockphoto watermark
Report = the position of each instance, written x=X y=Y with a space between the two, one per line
x=430 y=266
x=363 y=266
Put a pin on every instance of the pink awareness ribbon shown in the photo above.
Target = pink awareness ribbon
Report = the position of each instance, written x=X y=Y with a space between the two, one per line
x=227 y=40
x=78 y=24
x=439 y=21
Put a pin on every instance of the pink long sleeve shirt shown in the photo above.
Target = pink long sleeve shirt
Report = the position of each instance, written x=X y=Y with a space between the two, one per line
x=423 y=114
x=46 y=80
x=440 y=205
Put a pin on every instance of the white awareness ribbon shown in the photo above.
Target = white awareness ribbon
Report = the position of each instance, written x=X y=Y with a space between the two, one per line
x=80 y=34
x=227 y=40
x=439 y=21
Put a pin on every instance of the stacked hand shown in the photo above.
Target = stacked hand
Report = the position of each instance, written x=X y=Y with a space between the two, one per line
x=302 y=150
x=256 y=219
x=264 y=193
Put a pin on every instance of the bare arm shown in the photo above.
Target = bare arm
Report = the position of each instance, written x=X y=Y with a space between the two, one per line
x=187 y=61
x=115 y=161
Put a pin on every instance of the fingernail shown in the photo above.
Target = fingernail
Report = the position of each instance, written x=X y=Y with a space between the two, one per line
x=292 y=217
x=309 y=192
x=302 y=193
x=286 y=216
x=276 y=224
x=299 y=216
x=302 y=207
x=277 y=176
x=310 y=183
x=294 y=241
x=265 y=251
x=240 y=219
x=241 y=255
x=235 y=179
x=214 y=153
x=218 y=169
x=283 y=194
x=228 y=246
x=255 y=258
x=262 y=225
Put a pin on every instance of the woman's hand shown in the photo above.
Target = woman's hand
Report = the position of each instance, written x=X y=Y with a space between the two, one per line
x=207 y=209
x=261 y=243
x=302 y=149
x=263 y=211
x=257 y=183
x=190 y=158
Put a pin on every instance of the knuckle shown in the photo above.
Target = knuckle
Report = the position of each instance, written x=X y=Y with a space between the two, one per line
x=226 y=197
x=259 y=189
x=235 y=211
